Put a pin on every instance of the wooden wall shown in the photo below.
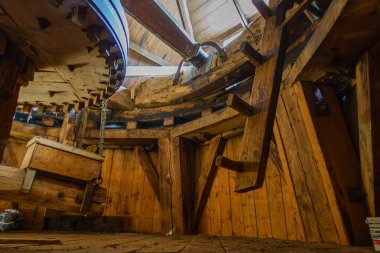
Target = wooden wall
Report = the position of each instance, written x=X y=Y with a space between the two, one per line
x=129 y=192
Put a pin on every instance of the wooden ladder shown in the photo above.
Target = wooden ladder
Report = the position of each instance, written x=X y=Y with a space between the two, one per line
x=261 y=109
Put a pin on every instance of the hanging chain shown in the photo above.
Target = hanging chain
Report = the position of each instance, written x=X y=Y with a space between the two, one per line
x=103 y=118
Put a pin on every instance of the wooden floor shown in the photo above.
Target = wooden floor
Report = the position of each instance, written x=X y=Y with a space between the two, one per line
x=129 y=242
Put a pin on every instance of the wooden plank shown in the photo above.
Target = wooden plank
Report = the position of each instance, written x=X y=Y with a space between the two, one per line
x=275 y=201
x=106 y=175
x=294 y=223
x=29 y=241
x=225 y=117
x=368 y=86
x=115 y=182
x=314 y=179
x=149 y=170
x=297 y=176
x=128 y=134
x=329 y=136
x=264 y=229
x=258 y=128
x=147 y=54
x=206 y=178
x=243 y=214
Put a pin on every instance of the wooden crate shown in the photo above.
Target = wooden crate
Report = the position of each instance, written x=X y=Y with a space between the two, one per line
x=56 y=158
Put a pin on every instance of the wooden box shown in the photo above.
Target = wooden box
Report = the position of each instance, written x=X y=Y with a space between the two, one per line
x=54 y=157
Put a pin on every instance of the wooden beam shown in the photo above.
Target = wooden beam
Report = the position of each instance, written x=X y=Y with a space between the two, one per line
x=255 y=57
x=151 y=71
x=11 y=68
x=48 y=192
x=128 y=134
x=264 y=96
x=325 y=25
x=185 y=16
x=29 y=241
x=149 y=170
x=223 y=120
x=240 y=105
x=262 y=8
x=368 y=100
x=147 y=54
x=206 y=178
x=297 y=12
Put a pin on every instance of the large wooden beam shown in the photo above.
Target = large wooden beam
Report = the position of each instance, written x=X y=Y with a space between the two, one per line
x=48 y=192
x=12 y=64
x=206 y=178
x=264 y=96
x=368 y=100
x=156 y=18
x=149 y=170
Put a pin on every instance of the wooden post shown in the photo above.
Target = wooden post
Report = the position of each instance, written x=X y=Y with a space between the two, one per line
x=176 y=191
x=368 y=99
x=12 y=64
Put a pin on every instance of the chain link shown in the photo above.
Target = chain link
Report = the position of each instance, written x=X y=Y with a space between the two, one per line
x=103 y=118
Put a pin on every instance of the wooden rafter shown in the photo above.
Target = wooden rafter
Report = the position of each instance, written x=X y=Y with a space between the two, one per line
x=185 y=16
x=148 y=55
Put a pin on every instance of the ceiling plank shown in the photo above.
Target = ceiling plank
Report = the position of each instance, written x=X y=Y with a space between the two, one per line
x=153 y=71
x=148 y=55
x=185 y=16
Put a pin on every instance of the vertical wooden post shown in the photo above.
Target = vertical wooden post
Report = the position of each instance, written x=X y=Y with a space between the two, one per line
x=176 y=186
x=12 y=64
x=368 y=99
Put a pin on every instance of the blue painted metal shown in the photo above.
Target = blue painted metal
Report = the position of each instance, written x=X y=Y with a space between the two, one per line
x=112 y=14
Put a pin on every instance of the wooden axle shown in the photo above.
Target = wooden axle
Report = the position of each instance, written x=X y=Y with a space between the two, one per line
x=240 y=105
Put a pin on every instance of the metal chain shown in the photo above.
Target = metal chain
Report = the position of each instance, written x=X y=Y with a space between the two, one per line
x=103 y=118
